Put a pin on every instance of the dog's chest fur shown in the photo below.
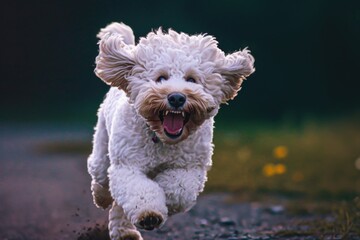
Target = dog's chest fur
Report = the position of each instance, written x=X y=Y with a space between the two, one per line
x=131 y=143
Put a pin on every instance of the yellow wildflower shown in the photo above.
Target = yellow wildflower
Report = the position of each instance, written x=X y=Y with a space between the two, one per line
x=280 y=152
x=269 y=170
x=280 y=168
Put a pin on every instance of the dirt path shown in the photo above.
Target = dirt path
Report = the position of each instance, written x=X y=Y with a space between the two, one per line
x=45 y=194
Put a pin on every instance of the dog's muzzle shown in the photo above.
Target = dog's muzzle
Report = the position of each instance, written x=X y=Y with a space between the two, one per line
x=174 y=119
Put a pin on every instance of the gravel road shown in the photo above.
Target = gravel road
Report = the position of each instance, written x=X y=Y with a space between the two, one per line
x=45 y=195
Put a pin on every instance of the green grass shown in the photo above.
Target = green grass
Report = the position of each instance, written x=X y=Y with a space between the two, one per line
x=320 y=160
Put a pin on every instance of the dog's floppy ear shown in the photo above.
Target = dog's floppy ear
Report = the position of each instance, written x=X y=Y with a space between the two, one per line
x=234 y=69
x=115 y=59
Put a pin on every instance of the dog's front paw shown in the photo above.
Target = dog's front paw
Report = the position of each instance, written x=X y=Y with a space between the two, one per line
x=128 y=234
x=101 y=195
x=149 y=220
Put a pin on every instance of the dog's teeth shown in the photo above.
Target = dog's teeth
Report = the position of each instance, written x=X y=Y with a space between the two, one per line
x=175 y=112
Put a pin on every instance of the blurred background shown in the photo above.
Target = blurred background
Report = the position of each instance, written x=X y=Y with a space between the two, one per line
x=307 y=53
x=294 y=127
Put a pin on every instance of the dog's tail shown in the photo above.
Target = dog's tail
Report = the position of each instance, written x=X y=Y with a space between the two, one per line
x=118 y=28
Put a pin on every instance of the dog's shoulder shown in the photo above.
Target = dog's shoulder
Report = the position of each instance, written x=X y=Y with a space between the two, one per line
x=114 y=101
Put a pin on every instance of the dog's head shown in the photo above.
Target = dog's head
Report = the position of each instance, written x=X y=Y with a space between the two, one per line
x=175 y=81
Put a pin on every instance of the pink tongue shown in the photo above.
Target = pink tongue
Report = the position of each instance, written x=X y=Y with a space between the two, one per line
x=173 y=123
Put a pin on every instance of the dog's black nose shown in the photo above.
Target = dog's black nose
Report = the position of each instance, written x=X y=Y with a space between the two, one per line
x=176 y=99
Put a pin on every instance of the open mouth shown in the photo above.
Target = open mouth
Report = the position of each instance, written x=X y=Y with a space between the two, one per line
x=174 y=122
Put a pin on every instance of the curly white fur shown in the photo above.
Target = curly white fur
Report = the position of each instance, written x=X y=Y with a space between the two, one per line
x=150 y=179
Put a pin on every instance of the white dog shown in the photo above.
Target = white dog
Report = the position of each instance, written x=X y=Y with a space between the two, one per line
x=153 y=139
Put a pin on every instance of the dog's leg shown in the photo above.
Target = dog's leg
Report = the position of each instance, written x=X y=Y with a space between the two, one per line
x=120 y=228
x=98 y=163
x=181 y=187
x=142 y=199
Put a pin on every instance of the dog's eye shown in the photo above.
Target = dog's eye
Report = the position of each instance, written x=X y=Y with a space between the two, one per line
x=190 y=79
x=161 y=78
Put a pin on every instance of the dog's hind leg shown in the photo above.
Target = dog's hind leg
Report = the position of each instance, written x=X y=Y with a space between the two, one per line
x=98 y=163
x=120 y=228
